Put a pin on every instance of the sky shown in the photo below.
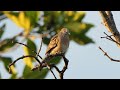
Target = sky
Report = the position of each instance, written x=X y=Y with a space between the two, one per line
x=85 y=62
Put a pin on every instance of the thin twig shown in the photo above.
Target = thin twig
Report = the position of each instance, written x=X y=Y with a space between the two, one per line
x=29 y=48
x=40 y=47
x=51 y=71
x=108 y=55
x=110 y=38
x=61 y=73
x=22 y=58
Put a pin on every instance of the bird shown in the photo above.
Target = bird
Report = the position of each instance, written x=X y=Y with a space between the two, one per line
x=59 y=43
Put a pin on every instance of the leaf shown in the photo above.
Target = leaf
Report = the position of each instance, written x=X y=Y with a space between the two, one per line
x=46 y=40
x=6 y=45
x=24 y=19
x=28 y=61
x=55 y=60
x=79 y=16
x=6 y=61
x=19 y=18
x=32 y=45
x=33 y=16
x=82 y=39
x=28 y=74
x=13 y=16
x=13 y=76
x=78 y=32
x=2 y=28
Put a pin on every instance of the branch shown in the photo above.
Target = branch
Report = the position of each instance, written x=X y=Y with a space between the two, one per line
x=37 y=54
x=61 y=73
x=29 y=48
x=44 y=62
x=22 y=58
x=110 y=38
x=110 y=24
x=108 y=55
x=40 y=47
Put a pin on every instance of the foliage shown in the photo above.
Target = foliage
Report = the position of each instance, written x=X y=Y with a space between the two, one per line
x=53 y=21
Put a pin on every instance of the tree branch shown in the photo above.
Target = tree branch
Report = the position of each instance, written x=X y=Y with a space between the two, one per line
x=29 y=48
x=110 y=24
x=110 y=38
x=22 y=58
x=37 y=54
x=44 y=62
x=108 y=55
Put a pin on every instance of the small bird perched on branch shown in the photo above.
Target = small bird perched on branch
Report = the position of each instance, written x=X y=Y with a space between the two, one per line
x=57 y=47
x=58 y=43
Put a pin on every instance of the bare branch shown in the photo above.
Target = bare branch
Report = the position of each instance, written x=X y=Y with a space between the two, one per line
x=61 y=73
x=40 y=47
x=22 y=58
x=29 y=48
x=110 y=38
x=44 y=62
x=45 y=65
x=108 y=55
x=37 y=54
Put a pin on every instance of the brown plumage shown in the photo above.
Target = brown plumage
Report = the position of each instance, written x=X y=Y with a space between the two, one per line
x=58 y=43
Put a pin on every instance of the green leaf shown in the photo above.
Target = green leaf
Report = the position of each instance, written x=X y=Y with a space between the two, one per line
x=24 y=19
x=82 y=39
x=79 y=16
x=32 y=45
x=46 y=40
x=6 y=44
x=28 y=51
x=55 y=60
x=28 y=74
x=78 y=32
x=2 y=29
x=13 y=76
x=33 y=16
x=6 y=61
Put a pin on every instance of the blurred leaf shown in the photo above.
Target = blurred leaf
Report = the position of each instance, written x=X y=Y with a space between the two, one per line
x=2 y=30
x=72 y=20
x=24 y=19
x=6 y=44
x=33 y=16
x=28 y=61
x=78 y=32
x=32 y=45
x=55 y=60
x=28 y=74
x=13 y=16
x=79 y=16
x=13 y=76
x=46 y=40
x=6 y=61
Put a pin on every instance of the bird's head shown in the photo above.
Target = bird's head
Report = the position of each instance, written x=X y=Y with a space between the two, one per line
x=65 y=31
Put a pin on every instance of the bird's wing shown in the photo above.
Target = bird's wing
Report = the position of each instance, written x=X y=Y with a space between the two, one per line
x=53 y=43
